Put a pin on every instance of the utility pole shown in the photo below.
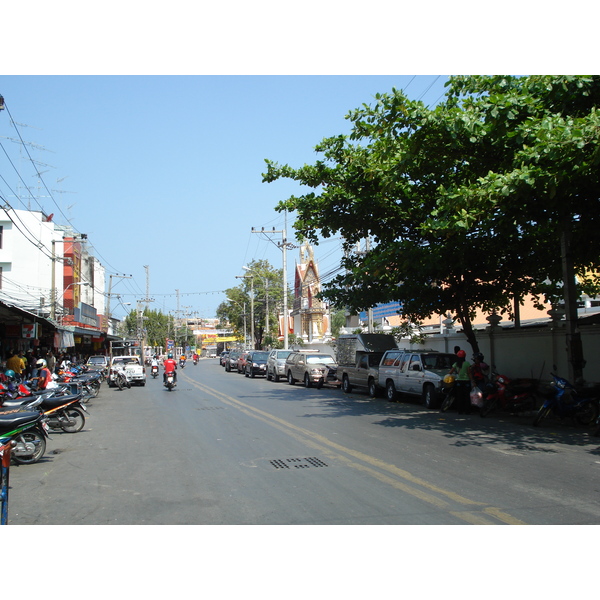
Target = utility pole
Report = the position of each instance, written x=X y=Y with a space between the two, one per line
x=252 y=340
x=108 y=307
x=284 y=246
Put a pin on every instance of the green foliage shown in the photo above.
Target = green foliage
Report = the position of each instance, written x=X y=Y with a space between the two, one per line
x=464 y=202
x=267 y=283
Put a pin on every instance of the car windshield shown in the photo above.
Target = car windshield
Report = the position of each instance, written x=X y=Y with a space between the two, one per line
x=314 y=359
x=438 y=361
x=283 y=354
x=129 y=360
x=97 y=360
x=234 y=354
x=260 y=356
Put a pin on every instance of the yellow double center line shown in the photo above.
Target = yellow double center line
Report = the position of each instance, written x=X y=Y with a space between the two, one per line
x=384 y=472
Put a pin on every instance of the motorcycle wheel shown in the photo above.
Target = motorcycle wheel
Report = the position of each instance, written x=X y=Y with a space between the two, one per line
x=40 y=447
x=587 y=414
x=120 y=383
x=488 y=407
x=541 y=415
x=448 y=402
x=76 y=420
x=95 y=389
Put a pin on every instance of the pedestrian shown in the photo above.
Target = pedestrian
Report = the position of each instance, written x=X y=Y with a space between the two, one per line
x=17 y=364
x=51 y=361
x=464 y=382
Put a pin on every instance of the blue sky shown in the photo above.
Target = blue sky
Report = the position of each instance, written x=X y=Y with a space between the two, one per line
x=165 y=171
x=156 y=123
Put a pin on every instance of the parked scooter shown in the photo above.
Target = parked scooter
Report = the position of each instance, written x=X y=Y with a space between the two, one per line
x=28 y=431
x=508 y=395
x=565 y=401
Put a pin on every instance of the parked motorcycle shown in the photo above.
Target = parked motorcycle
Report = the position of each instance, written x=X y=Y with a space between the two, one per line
x=565 y=401
x=508 y=395
x=66 y=413
x=28 y=431
x=449 y=392
x=120 y=379
x=154 y=371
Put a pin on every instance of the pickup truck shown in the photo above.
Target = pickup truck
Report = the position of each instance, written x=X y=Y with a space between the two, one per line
x=359 y=356
x=415 y=373
x=134 y=370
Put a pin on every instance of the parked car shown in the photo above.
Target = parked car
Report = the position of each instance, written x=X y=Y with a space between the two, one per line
x=256 y=363
x=134 y=370
x=241 y=362
x=311 y=367
x=223 y=357
x=232 y=360
x=276 y=364
x=415 y=373
x=97 y=363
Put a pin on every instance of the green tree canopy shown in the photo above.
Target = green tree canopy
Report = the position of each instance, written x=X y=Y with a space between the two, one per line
x=267 y=284
x=464 y=202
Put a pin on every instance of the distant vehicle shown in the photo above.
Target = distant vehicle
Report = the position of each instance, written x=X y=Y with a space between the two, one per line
x=256 y=363
x=134 y=370
x=241 y=362
x=97 y=362
x=311 y=367
x=223 y=357
x=231 y=360
x=276 y=364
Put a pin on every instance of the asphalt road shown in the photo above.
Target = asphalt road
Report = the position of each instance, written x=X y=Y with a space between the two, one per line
x=226 y=449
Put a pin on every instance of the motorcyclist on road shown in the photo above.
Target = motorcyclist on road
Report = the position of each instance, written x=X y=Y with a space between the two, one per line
x=170 y=367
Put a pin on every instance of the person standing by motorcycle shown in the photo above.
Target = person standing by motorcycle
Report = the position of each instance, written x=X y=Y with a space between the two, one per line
x=170 y=367
x=480 y=371
x=464 y=382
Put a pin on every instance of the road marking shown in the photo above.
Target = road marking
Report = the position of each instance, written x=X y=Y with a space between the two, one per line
x=401 y=480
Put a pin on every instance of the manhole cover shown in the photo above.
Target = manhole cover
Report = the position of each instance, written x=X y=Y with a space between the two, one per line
x=297 y=463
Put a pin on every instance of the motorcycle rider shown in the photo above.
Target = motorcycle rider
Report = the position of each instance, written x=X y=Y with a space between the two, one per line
x=170 y=367
x=44 y=377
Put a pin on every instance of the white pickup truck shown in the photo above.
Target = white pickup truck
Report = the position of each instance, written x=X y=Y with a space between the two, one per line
x=134 y=370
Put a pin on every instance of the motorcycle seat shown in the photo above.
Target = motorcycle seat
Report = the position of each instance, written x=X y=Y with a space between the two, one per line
x=56 y=401
x=13 y=420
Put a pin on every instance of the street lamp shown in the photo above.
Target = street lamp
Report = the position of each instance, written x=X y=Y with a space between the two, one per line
x=266 y=282
x=251 y=304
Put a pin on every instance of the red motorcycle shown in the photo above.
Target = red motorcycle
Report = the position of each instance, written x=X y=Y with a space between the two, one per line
x=511 y=396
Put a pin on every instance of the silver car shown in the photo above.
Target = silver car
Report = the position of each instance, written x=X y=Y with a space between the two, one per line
x=311 y=367
x=276 y=364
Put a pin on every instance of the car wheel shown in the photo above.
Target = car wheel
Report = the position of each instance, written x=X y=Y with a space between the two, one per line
x=429 y=397
x=346 y=387
x=307 y=382
x=290 y=379
x=268 y=375
x=373 y=391
x=390 y=390
x=275 y=377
